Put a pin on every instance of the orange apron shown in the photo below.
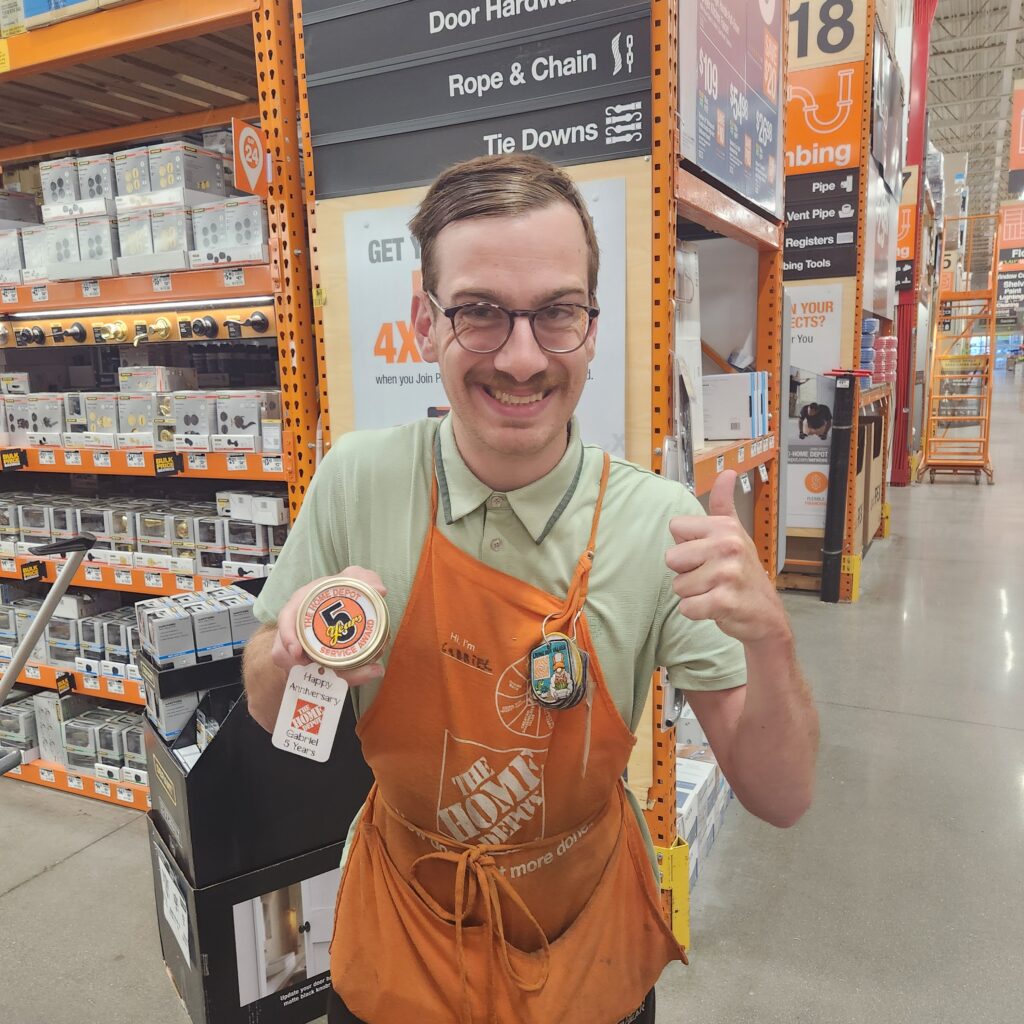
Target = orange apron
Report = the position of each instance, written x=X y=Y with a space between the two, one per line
x=497 y=873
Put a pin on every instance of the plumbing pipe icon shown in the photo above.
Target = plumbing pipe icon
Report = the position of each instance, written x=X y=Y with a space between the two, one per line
x=844 y=104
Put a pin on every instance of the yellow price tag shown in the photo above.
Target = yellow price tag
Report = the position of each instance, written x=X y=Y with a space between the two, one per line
x=5 y=57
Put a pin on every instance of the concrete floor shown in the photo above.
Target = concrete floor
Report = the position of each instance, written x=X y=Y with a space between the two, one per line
x=897 y=899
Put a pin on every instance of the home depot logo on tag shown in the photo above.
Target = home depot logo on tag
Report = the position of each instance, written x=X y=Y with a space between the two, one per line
x=308 y=716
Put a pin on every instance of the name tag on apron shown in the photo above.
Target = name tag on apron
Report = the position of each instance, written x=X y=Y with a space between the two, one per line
x=310 y=712
x=558 y=672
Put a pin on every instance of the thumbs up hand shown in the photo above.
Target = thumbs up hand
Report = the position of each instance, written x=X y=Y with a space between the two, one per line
x=718 y=573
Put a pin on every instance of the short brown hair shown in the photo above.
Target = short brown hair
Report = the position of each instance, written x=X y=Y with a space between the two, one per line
x=497 y=186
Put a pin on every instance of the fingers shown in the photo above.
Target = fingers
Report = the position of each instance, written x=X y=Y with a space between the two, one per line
x=367 y=576
x=366 y=674
x=690 y=555
x=700 y=581
x=721 y=501
x=684 y=528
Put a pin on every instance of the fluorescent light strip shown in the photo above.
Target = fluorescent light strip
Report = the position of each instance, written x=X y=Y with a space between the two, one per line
x=148 y=307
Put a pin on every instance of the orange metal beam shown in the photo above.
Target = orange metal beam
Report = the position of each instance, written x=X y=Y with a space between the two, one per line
x=127 y=29
x=712 y=209
x=721 y=363
x=139 y=132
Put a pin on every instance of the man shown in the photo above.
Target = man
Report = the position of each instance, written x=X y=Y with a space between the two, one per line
x=816 y=420
x=499 y=871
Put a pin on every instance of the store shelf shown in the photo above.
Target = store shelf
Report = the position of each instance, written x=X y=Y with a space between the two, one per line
x=700 y=202
x=141 y=462
x=170 y=291
x=130 y=691
x=742 y=456
x=118 y=75
x=53 y=776
x=152 y=582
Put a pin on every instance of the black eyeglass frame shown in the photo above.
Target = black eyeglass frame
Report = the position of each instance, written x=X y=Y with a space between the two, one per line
x=513 y=314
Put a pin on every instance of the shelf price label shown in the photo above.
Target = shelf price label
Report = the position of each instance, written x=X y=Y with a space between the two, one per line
x=186 y=583
x=161 y=282
x=72 y=457
x=46 y=775
x=234 y=278
x=47 y=457
x=65 y=683
x=91 y=683
x=237 y=464
x=115 y=686
x=763 y=473
x=136 y=460
x=273 y=464
x=93 y=574
x=123 y=577
x=40 y=293
x=125 y=795
x=823 y=32
x=153 y=579
x=31 y=571
x=8 y=296
x=101 y=788
x=8 y=565
x=101 y=459
x=745 y=483
x=741 y=454
x=720 y=464
x=32 y=672
x=197 y=462
x=91 y=289
x=75 y=782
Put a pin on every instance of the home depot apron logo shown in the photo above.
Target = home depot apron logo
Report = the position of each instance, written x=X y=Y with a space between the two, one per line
x=308 y=716
x=488 y=795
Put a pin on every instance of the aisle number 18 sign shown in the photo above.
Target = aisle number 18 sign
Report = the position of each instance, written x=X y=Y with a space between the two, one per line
x=823 y=32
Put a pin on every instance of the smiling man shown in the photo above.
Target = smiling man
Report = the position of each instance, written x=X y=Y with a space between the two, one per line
x=499 y=870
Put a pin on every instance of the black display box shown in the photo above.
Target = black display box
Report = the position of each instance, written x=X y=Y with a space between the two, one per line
x=245 y=804
x=255 y=948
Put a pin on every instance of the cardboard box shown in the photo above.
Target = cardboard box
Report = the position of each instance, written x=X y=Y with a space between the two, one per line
x=213 y=945
x=36 y=253
x=135 y=231
x=157 y=378
x=60 y=180
x=131 y=171
x=860 y=494
x=62 y=244
x=183 y=165
x=52 y=711
x=96 y=178
x=98 y=238
x=19 y=207
x=875 y=484
x=11 y=259
x=172 y=229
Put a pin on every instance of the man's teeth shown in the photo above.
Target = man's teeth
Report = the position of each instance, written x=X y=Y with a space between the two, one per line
x=506 y=399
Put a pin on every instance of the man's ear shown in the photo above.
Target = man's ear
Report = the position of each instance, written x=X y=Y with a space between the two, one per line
x=422 y=319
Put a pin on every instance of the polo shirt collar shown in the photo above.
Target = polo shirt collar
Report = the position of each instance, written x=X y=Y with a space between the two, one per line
x=538 y=505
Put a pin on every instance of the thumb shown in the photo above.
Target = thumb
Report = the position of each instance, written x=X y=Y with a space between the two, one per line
x=720 y=501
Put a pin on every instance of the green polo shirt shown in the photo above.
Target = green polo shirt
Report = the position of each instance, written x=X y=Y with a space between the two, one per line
x=369 y=505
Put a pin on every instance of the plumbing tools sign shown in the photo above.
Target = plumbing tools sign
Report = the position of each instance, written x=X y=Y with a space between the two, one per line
x=450 y=80
x=821 y=225
x=730 y=87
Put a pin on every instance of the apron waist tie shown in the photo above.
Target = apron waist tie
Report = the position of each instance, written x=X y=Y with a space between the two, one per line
x=477 y=874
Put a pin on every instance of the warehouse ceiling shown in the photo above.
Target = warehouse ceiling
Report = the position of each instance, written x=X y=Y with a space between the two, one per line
x=977 y=50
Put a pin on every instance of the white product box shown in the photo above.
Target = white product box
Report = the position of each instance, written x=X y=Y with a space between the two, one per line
x=131 y=171
x=235 y=504
x=172 y=229
x=247 y=537
x=59 y=180
x=219 y=140
x=135 y=232
x=209 y=532
x=166 y=634
x=75 y=209
x=136 y=413
x=240 y=606
x=154 y=263
x=19 y=207
x=270 y=510
x=199 y=259
x=161 y=199
x=11 y=258
x=15 y=383
x=170 y=715
x=245 y=222
x=51 y=713
x=688 y=730
x=110 y=772
x=244 y=570
x=208 y=224
x=98 y=238
x=729 y=406
x=135 y=747
x=101 y=412
x=18 y=722
x=211 y=626
x=36 y=253
x=62 y=244
x=156 y=378
x=96 y=179
x=137 y=775
x=182 y=165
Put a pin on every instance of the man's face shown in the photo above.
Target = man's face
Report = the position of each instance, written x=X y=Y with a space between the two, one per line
x=516 y=401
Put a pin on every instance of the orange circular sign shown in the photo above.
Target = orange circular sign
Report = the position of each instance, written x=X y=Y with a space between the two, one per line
x=343 y=623
x=816 y=483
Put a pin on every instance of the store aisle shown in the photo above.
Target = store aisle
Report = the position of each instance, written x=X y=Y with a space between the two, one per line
x=896 y=899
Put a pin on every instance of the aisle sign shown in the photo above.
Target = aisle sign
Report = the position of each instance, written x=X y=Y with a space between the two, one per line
x=821 y=225
x=251 y=159
x=823 y=32
x=393 y=384
x=906 y=231
x=730 y=87
x=823 y=119
x=533 y=77
x=1016 y=161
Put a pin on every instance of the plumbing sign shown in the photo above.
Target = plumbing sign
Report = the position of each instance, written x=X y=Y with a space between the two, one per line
x=823 y=118
x=821 y=225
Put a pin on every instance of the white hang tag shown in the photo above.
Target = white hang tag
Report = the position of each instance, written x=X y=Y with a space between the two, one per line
x=314 y=696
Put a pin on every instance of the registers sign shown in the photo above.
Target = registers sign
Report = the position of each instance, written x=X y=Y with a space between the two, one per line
x=400 y=90
x=821 y=225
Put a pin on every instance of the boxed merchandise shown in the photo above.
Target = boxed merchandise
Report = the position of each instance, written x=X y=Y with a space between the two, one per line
x=35 y=248
x=110 y=741
x=730 y=403
x=46 y=418
x=136 y=414
x=245 y=222
x=60 y=180
x=135 y=746
x=209 y=532
x=36 y=519
x=97 y=238
x=208 y=224
x=52 y=711
x=131 y=171
x=16 y=408
x=81 y=743
x=171 y=229
x=875 y=460
x=157 y=378
x=219 y=140
x=169 y=715
x=62 y=244
x=61 y=642
x=247 y=538
x=17 y=208
x=270 y=510
x=165 y=630
x=195 y=419
x=11 y=259
x=101 y=412
x=135 y=232
x=210 y=936
x=84 y=604
x=18 y=722
x=182 y=165
x=15 y=383
x=96 y=179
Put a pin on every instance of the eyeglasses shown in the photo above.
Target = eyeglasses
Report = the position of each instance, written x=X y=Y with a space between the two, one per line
x=484 y=327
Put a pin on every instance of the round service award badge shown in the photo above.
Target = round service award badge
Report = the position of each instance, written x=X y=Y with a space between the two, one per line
x=343 y=623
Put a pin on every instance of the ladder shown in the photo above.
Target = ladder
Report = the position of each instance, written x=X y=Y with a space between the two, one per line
x=959 y=409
